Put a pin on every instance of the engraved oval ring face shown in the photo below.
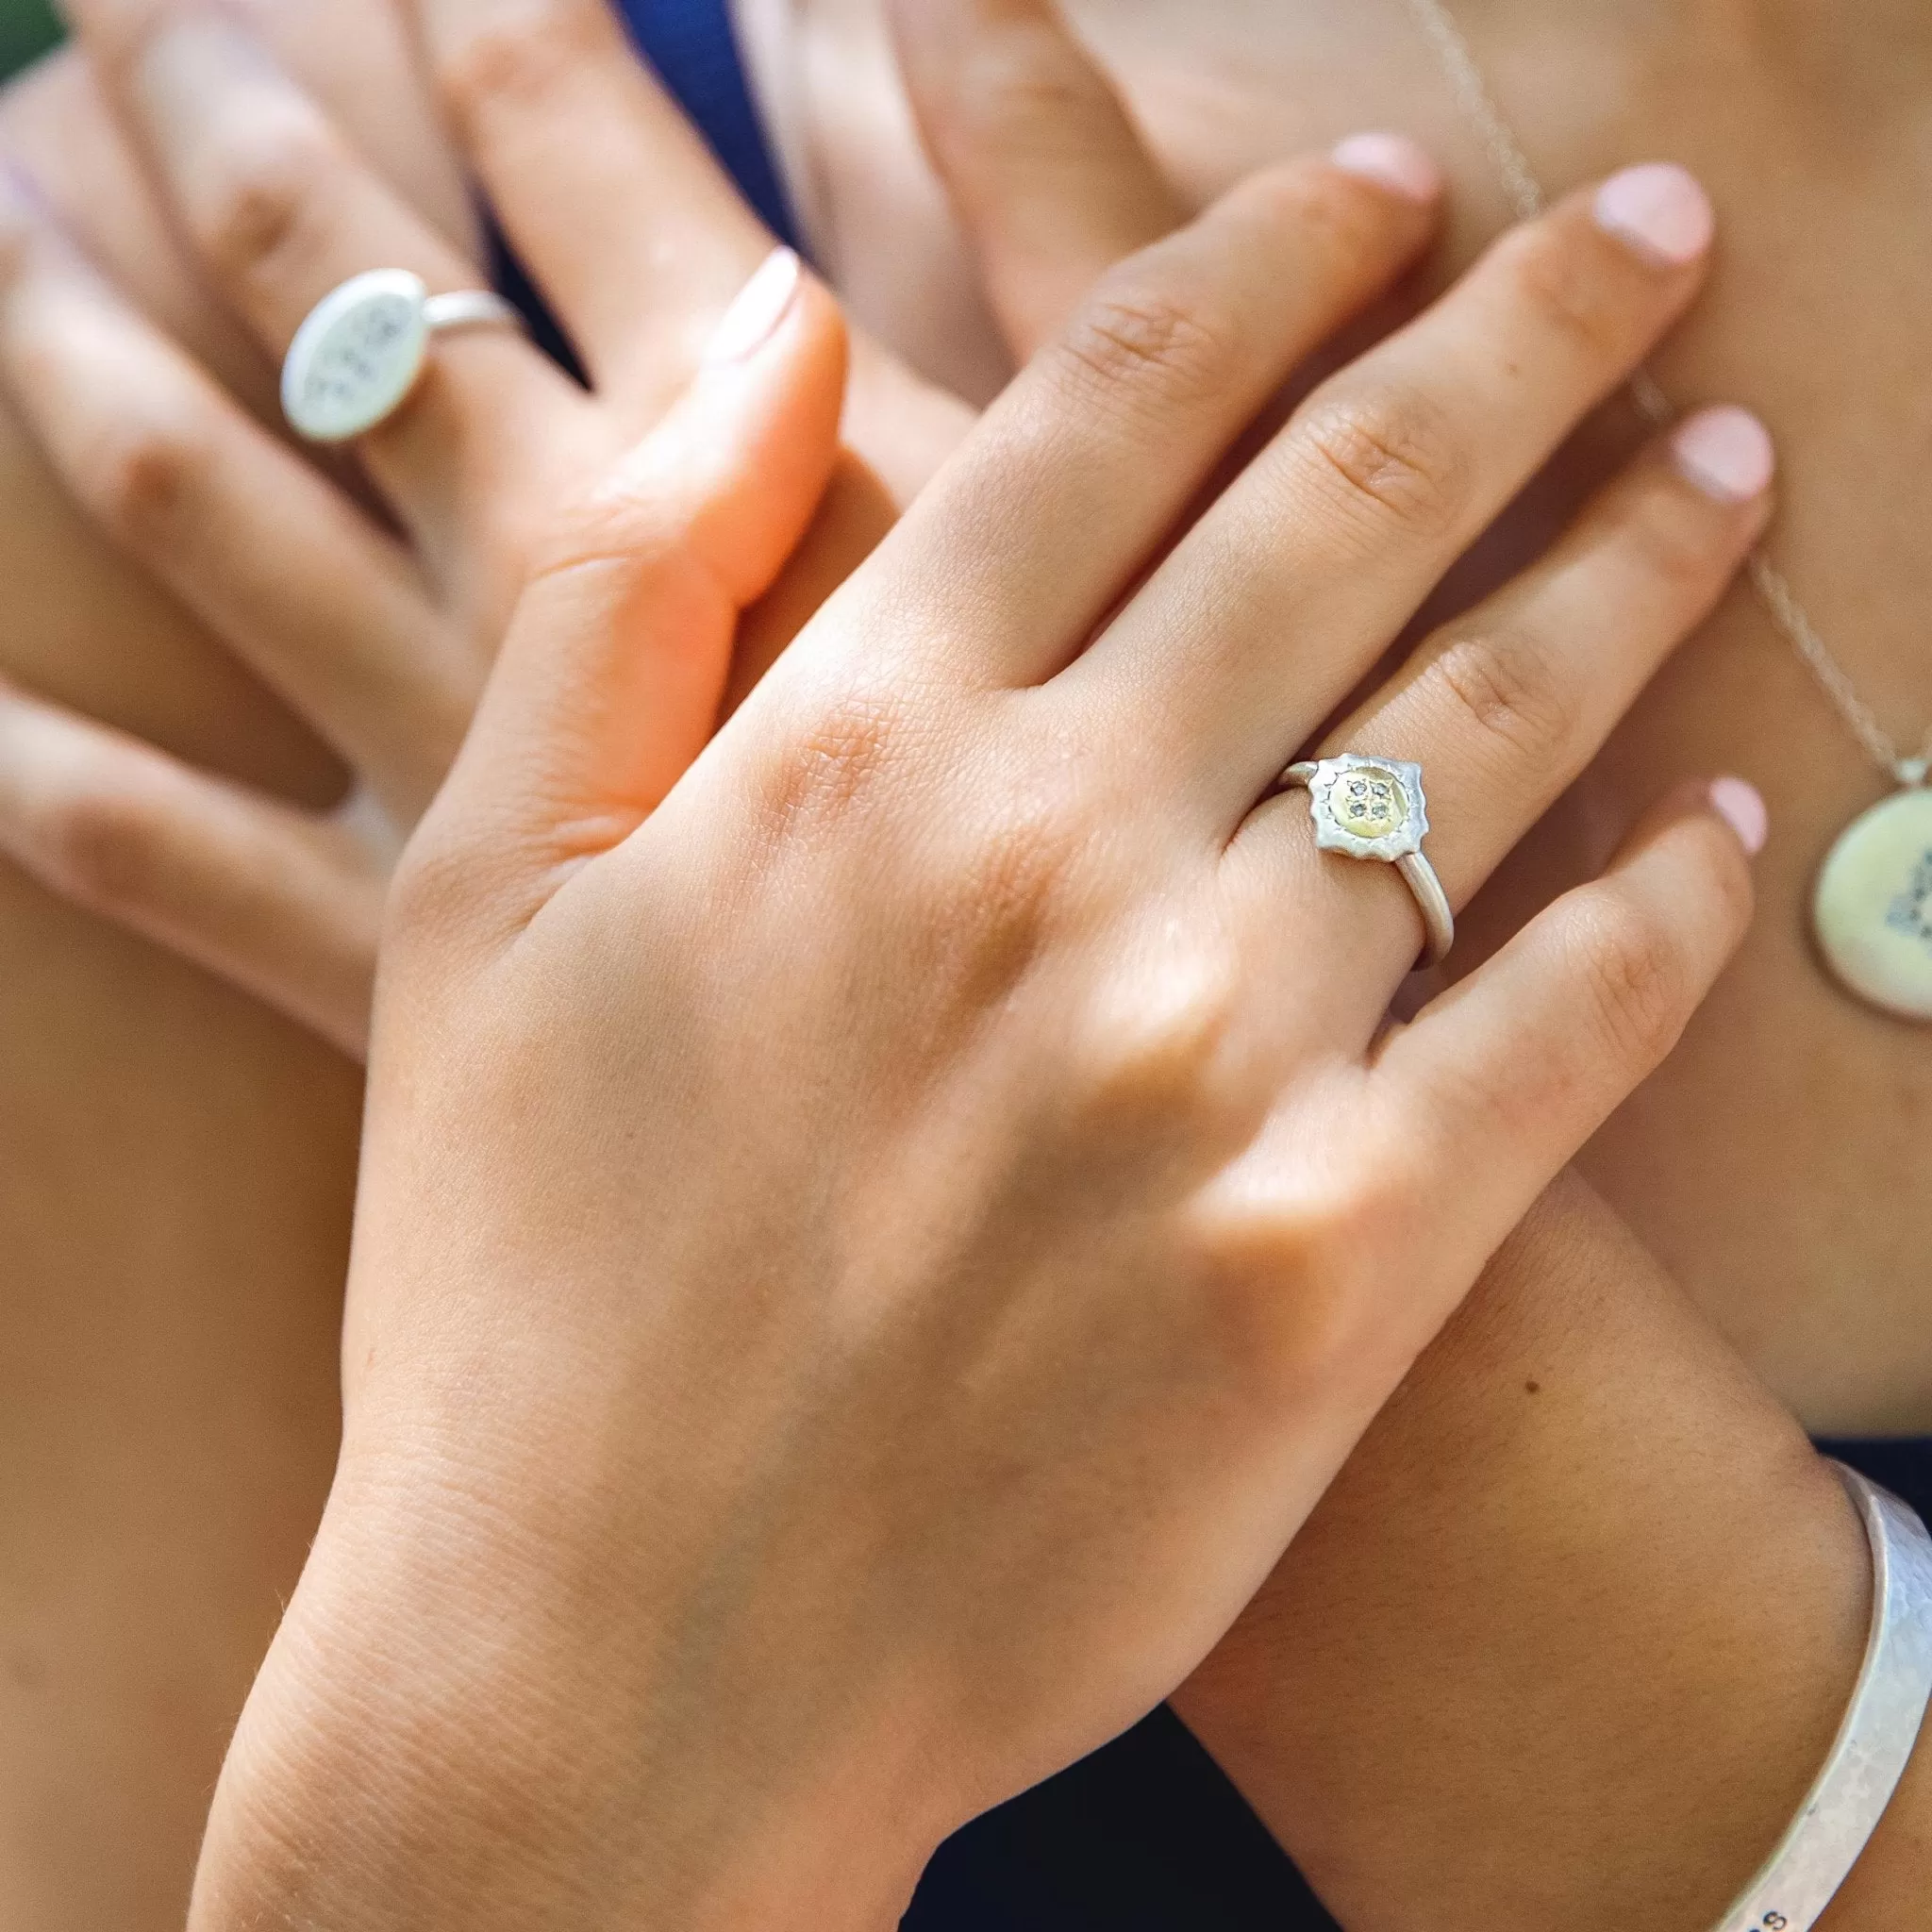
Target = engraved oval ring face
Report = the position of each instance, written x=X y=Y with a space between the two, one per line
x=1873 y=911
x=1369 y=802
x=357 y=356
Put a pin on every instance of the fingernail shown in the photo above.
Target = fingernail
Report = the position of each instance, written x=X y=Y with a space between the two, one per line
x=1391 y=161
x=1726 y=452
x=756 y=310
x=1741 y=807
x=1661 y=210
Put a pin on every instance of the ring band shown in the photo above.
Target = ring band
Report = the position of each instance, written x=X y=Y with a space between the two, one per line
x=1375 y=808
x=361 y=350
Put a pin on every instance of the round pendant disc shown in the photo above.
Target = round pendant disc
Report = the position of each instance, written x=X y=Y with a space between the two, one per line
x=357 y=356
x=1873 y=911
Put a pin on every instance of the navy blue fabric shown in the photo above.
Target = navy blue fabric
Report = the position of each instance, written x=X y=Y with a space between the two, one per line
x=694 y=51
x=1146 y=1835
x=690 y=46
x=1900 y=1464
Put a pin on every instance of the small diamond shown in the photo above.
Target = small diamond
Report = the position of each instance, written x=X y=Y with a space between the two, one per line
x=1371 y=803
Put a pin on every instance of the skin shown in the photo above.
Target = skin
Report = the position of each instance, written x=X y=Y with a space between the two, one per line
x=195 y=1298
x=1778 y=1729
x=1770 y=1496
x=1786 y=1200
x=1428 y=1745
x=1063 y=1219
x=170 y=1404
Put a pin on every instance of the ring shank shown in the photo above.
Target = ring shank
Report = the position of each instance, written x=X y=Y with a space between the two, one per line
x=469 y=308
x=1418 y=874
x=1432 y=902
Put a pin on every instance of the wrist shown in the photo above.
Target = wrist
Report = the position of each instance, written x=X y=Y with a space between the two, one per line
x=1581 y=1568
x=447 y=1743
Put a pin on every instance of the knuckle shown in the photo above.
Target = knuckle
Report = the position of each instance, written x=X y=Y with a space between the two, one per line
x=1139 y=348
x=104 y=848
x=1019 y=96
x=1732 y=889
x=1388 y=461
x=519 y=54
x=992 y=897
x=19 y=244
x=1281 y=1280
x=1503 y=686
x=1325 y=211
x=1152 y=1039
x=144 y=478
x=254 y=204
x=1636 y=982
x=1683 y=554
x=438 y=883
x=831 y=762
x=1560 y=290
x=1026 y=843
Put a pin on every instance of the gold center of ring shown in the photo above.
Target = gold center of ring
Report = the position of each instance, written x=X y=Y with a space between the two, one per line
x=1369 y=802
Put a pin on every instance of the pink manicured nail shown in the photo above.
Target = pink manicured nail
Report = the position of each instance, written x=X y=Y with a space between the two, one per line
x=756 y=310
x=1741 y=807
x=1658 y=209
x=1391 y=161
x=1726 y=452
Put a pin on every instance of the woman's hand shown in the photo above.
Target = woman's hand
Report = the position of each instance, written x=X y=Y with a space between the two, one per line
x=864 y=1261
x=380 y=630
x=1454 y=1709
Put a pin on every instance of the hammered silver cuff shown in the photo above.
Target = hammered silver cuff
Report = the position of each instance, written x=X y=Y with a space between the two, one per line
x=1875 y=1740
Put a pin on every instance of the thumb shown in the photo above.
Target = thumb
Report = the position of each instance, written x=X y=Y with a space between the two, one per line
x=610 y=678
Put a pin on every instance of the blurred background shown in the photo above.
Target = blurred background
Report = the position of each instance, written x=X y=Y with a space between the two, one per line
x=26 y=28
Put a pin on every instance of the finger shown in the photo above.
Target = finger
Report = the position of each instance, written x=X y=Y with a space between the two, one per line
x=616 y=662
x=1295 y=583
x=1079 y=471
x=284 y=906
x=628 y=226
x=1506 y=705
x=275 y=562
x=1040 y=156
x=278 y=210
x=1500 y=1081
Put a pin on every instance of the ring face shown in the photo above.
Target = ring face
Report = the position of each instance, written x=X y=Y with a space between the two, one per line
x=356 y=356
x=1369 y=807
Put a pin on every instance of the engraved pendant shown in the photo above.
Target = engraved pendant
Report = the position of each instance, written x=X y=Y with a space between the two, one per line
x=357 y=356
x=1873 y=909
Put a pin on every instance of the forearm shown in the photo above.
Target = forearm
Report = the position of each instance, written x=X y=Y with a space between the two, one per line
x=1572 y=1633
x=173 y=1214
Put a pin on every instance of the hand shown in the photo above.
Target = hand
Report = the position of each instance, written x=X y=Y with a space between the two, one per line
x=379 y=637
x=1452 y=1709
x=379 y=649
x=864 y=1261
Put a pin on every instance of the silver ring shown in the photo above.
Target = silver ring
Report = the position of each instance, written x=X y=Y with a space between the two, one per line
x=1375 y=808
x=361 y=350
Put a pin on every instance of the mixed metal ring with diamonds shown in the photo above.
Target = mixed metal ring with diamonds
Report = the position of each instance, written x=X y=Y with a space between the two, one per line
x=1375 y=808
x=361 y=349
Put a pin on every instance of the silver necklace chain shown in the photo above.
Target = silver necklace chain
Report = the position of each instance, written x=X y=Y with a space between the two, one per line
x=1525 y=192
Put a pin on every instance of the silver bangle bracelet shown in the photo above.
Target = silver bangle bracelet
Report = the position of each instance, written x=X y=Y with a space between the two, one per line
x=1875 y=1739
